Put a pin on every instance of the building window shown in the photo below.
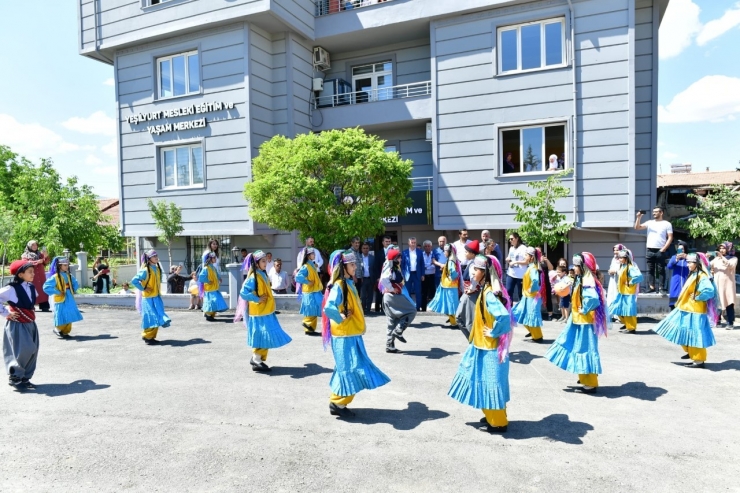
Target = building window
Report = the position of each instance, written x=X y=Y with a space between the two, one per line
x=373 y=82
x=178 y=75
x=532 y=46
x=197 y=245
x=182 y=166
x=155 y=2
x=528 y=149
x=390 y=148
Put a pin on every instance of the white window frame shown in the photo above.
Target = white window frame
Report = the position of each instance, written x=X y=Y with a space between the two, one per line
x=543 y=53
x=187 y=55
x=545 y=156
x=174 y=148
x=149 y=3
x=374 y=77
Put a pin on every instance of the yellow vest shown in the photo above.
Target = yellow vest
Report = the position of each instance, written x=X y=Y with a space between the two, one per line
x=446 y=282
x=576 y=305
x=685 y=301
x=354 y=325
x=213 y=279
x=623 y=281
x=480 y=323
x=62 y=287
x=151 y=287
x=268 y=306
x=527 y=282
x=313 y=276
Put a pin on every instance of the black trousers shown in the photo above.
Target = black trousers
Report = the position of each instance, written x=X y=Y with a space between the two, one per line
x=427 y=290
x=655 y=260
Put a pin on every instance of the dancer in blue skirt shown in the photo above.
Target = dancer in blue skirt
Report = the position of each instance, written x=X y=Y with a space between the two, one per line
x=148 y=300
x=343 y=325
x=624 y=305
x=213 y=301
x=447 y=297
x=482 y=380
x=528 y=311
x=310 y=291
x=61 y=287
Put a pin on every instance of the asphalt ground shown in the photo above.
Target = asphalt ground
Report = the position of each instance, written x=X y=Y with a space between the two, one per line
x=112 y=414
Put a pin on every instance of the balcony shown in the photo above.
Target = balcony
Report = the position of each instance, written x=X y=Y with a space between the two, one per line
x=326 y=7
x=380 y=94
x=421 y=184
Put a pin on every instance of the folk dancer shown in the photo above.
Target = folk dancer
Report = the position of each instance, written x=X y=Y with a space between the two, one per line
x=213 y=301
x=624 y=305
x=61 y=288
x=528 y=311
x=471 y=289
x=148 y=300
x=576 y=349
x=309 y=291
x=343 y=324
x=446 y=299
x=399 y=308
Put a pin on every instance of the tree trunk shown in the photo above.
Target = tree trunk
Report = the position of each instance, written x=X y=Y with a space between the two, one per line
x=169 y=254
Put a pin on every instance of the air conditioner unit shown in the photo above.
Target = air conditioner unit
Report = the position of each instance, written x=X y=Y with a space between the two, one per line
x=321 y=60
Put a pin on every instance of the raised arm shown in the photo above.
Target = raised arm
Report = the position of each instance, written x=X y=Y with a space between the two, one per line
x=638 y=219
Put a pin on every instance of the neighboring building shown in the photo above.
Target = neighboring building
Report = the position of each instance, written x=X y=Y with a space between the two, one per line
x=453 y=86
x=674 y=189
x=111 y=208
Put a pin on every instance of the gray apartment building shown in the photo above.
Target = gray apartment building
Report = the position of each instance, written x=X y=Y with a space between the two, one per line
x=477 y=93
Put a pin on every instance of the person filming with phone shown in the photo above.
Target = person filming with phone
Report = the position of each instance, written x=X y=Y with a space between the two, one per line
x=659 y=238
x=680 y=272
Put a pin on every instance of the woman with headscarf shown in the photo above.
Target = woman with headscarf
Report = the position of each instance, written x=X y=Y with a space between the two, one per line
x=528 y=312
x=576 y=350
x=447 y=297
x=61 y=286
x=482 y=379
x=39 y=260
x=343 y=324
x=309 y=291
x=257 y=306
x=624 y=305
x=612 y=289
x=723 y=268
x=213 y=301
x=399 y=308
x=679 y=273
x=148 y=300
x=690 y=324
x=21 y=336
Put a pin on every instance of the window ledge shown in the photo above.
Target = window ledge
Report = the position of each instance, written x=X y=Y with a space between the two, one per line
x=181 y=96
x=523 y=176
x=163 y=5
x=180 y=189
x=534 y=70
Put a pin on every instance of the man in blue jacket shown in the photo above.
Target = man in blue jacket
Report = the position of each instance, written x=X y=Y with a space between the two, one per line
x=412 y=267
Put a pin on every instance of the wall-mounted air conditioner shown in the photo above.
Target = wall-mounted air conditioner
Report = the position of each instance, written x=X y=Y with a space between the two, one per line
x=321 y=59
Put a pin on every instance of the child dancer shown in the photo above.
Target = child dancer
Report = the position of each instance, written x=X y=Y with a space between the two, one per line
x=482 y=380
x=624 y=305
x=343 y=324
x=399 y=308
x=263 y=329
x=212 y=300
x=447 y=297
x=309 y=291
x=21 y=336
x=528 y=311
x=148 y=300
x=61 y=287
x=690 y=323
x=576 y=350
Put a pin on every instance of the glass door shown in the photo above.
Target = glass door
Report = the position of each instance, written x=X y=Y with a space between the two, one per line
x=373 y=82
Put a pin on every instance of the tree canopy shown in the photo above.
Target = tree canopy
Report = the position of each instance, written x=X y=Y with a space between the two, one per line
x=168 y=219
x=58 y=214
x=331 y=185
x=716 y=216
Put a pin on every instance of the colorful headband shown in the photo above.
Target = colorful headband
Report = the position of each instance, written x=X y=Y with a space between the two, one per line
x=447 y=247
x=577 y=260
x=480 y=262
x=348 y=257
x=211 y=255
x=62 y=260
x=531 y=251
x=623 y=254
x=309 y=251
x=259 y=255
x=692 y=257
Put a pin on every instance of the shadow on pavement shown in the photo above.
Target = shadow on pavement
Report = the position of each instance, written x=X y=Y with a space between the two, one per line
x=423 y=325
x=99 y=337
x=191 y=342
x=59 y=389
x=636 y=390
x=637 y=332
x=433 y=353
x=523 y=357
x=406 y=419
x=298 y=372
x=732 y=364
x=555 y=428
x=220 y=320
x=543 y=342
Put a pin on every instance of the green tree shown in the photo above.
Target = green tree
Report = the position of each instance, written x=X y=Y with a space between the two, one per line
x=531 y=162
x=540 y=222
x=716 y=216
x=7 y=227
x=331 y=185
x=58 y=214
x=168 y=219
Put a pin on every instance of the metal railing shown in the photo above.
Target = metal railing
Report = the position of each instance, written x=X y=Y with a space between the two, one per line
x=380 y=94
x=325 y=7
x=421 y=184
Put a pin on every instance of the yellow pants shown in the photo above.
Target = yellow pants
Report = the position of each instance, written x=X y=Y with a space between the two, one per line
x=310 y=322
x=496 y=417
x=261 y=352
x=210 y=314
x=629 y=322
x=452 y=320
x=65 y=329
x=589 y=379
x=696 y=353
x=341 y=401
x=149 y=333
x=535 y=331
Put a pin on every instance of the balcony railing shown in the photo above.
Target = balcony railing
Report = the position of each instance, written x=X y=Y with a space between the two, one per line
x=380 y=94
x=325 y=7
x=421 y=184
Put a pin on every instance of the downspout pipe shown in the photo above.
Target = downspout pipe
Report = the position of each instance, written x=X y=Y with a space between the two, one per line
x=574 y=140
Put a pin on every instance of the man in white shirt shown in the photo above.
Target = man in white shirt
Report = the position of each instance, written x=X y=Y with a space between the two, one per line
x=659 y=238
x=318 y=260
x=279 y=281
x=270 y=265
x=460 y=246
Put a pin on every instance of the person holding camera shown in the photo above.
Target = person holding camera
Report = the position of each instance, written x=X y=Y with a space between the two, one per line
x=680 y=272
x=659 y=238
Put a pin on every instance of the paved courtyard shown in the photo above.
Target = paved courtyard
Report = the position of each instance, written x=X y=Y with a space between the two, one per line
x=111 y=414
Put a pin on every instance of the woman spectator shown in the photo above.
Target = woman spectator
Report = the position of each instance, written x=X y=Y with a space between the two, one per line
x=213 y=246
x=517 y=266
x=176 y=281
x=39 y=259
x=723 y=268
x=680 y=272
x=101 y=277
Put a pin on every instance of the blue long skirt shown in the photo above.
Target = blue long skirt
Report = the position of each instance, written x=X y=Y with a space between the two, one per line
x=213 y=301
x=66 y=312
x=152 y=313
x=311 y=304
x=687 y=329
x=576 y=349
x=528 y=311
x=481 y=380
x=353 y=370
x=264 y=332
x=624 y=305
x=445 y=301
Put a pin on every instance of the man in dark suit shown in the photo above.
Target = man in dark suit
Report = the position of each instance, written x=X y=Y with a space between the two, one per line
x=412 y=267
x=380 y=255
x=366 y=279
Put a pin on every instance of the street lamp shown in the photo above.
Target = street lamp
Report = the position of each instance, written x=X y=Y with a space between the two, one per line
x=234 y=251
x=65 y=252
x=82 y=247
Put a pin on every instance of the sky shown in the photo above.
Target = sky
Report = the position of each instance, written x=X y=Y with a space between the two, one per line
x=57 y=104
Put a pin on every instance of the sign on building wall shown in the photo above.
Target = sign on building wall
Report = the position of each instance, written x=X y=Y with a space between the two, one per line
x=418 y=213
x=193 y=109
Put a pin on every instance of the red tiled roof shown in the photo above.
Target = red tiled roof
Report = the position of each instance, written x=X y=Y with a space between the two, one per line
x=698 y=179
x=112 y=209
